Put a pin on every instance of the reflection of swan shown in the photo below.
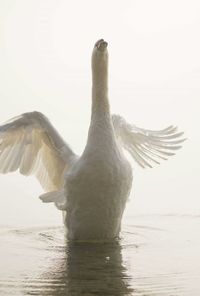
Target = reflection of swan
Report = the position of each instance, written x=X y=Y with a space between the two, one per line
x=40 y=261
x=87 y=269
x=92 y=189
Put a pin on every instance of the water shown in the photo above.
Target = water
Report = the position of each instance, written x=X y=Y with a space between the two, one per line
x=156 y=255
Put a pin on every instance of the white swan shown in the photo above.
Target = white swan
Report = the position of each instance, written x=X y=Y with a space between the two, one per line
x=92 y=189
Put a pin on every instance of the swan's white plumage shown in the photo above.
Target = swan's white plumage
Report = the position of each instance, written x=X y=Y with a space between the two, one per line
x=147 y=147
x=92 y=189
x=58 y=197
x=31 y=144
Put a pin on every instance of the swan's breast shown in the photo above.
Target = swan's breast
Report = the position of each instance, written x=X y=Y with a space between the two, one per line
x=97 y=191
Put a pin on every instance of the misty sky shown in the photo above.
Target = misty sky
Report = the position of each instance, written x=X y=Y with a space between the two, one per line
x=154 y=48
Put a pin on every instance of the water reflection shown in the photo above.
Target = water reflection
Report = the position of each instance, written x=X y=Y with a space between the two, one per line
x=156 y=256
x=89 y=269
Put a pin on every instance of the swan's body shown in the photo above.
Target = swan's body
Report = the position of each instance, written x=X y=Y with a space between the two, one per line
x=97 y=188
x=91 y=190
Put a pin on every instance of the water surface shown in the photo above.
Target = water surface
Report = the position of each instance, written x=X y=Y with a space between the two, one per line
x=156 y=255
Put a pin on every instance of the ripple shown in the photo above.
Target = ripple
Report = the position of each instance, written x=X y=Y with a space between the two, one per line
x=156 y=255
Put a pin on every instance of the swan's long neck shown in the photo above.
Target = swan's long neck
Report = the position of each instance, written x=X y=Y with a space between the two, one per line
x=101 y=128
x=100 y=103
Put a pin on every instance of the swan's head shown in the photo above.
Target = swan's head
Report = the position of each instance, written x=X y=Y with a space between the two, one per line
x=100 y=56
x=101 y=45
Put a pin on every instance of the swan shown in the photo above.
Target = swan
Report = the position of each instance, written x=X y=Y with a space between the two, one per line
x=90 y=190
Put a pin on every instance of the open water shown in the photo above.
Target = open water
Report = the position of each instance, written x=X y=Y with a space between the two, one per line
x=156 y=255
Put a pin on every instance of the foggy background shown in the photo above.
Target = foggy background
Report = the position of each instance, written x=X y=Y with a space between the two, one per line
x=154 y=48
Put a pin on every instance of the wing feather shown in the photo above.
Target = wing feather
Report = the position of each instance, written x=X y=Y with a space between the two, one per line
x=31 y=144
x=147 y=147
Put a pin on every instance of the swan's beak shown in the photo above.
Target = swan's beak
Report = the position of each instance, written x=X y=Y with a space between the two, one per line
x=101 y=44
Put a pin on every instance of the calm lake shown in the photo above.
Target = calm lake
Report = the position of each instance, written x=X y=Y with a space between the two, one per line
x=156 y=255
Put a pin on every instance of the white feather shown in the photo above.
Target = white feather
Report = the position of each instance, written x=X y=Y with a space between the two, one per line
x=147 y=146
x=30 y=143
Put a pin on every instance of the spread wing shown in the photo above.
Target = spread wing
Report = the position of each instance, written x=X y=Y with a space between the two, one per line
x=147 y=147
x=31 y=144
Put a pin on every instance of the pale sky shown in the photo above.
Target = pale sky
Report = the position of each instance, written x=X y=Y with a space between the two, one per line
x=154 y=48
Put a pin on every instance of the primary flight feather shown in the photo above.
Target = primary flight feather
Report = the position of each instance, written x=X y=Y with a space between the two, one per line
x=92 y=189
